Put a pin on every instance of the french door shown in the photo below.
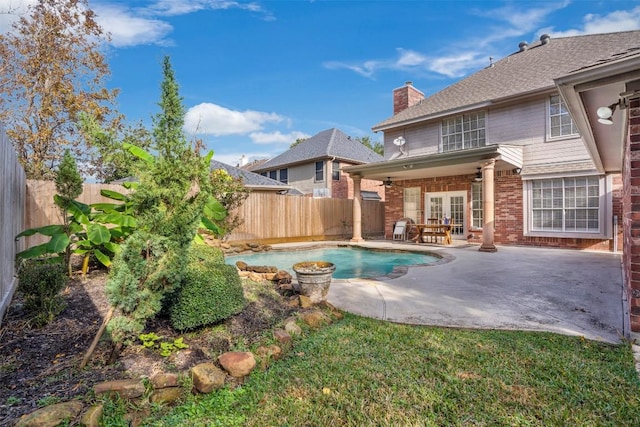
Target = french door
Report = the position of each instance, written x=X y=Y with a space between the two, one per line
x=452 y=204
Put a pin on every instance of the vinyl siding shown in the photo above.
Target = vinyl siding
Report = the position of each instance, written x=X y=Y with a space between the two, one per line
x=302 y=177
x=523 y=124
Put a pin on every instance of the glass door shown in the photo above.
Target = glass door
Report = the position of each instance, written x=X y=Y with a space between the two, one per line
x=451 y=204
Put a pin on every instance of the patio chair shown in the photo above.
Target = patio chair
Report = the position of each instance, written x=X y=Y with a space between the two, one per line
x=399 y=232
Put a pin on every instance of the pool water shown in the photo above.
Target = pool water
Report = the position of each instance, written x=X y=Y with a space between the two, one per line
x=349 y=262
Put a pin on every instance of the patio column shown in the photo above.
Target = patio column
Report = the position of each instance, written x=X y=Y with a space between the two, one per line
x=357 y=210
x=488 y=202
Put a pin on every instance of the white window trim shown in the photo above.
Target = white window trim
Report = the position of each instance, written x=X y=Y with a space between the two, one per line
x=486 y=130
x=471 y=218
x=606 y=208
x=548 y=116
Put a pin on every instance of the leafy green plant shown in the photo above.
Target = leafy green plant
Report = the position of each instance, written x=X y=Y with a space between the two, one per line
x=152 y=340
x=48 y=401
x=90 y=230
x=41 y=282
x=13 y=400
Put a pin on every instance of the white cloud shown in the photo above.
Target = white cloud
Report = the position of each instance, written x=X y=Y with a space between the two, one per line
x=127 y=29
x=183 y=7
x=618 y=20
x=459 y=60
x=277 y=137
x=212 y=119
x=11 y=11
x=457 y=65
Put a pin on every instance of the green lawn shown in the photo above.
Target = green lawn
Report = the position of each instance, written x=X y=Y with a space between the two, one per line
x=364 y=372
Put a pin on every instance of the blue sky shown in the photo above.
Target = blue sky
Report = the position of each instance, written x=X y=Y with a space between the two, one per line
x=257 y=75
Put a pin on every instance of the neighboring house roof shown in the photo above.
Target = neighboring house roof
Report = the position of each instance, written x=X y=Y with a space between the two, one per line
x=250 y=179
x=329 y=143
x=253 y=165
x=524 y=72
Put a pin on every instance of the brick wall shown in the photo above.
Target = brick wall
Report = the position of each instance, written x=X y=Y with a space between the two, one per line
x=631 y=215
x=343 y=188
x=508 y=211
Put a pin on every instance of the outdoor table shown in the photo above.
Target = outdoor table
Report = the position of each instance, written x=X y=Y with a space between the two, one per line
x=443 y=230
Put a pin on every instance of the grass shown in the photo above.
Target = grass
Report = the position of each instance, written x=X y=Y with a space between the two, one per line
x=361 y=371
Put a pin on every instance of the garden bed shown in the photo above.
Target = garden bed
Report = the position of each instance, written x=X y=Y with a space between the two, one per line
x=40 y=366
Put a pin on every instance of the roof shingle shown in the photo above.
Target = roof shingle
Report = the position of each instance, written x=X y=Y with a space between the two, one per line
x=326 y=144
x=521 y=73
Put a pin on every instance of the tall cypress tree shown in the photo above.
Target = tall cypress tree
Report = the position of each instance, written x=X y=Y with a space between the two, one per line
x=69 y=187
x=169 y=202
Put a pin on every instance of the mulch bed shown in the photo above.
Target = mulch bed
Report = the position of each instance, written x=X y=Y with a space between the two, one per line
x=40 y=366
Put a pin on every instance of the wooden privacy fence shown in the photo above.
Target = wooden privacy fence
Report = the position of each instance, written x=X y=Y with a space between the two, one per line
x=273 y=218
x=268 y=217
x=40 y=209
x=12 y=201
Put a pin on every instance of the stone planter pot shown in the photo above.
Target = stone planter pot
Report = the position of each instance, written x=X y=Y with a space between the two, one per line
x=314 y=278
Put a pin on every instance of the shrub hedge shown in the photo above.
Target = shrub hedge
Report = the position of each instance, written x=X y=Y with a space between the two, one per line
x=205 y=254
x=211 y=292
x=41 y=282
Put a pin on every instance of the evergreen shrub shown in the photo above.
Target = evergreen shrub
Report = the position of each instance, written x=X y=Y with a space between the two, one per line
x=210 y=293
x=40 y=283
x=205 y=254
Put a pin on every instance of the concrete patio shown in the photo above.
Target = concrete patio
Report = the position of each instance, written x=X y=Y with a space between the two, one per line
x=520 y=288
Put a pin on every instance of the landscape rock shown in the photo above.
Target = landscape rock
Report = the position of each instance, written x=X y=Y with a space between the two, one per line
x=166 y=395
x=164 y=380
x=292 y=327
x=91 y=417
x=254 y=277
x=268 y=353
x=126 y=389
x=237 y=363
x=207 y=377
x=242 y=266
x=305 y=301
x=52 y=415
x=282 y=337
x=315 y=319
x=283 y=276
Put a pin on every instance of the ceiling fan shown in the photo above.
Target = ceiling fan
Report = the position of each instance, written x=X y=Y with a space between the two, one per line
x=387 y=182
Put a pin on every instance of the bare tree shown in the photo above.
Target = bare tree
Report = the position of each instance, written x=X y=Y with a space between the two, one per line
x=52 y=70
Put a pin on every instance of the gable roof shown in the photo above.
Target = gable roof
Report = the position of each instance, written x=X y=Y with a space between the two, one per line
x=329 y=143
x=250 y=179
x=521 y=73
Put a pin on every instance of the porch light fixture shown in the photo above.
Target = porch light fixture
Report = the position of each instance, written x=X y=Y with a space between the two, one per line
x=478 y=177
x=605 y=114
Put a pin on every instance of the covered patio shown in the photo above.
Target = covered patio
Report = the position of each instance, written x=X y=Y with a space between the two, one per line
x=483 y=161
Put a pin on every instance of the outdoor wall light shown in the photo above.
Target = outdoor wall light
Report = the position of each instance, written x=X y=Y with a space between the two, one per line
x=605 y=114
x=479 y=175
x=517 y=171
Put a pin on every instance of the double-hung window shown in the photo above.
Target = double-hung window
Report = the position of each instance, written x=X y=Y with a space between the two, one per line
x=462 y=132
x=273 y=174
x=476 y=205
x=566 y=204
x=335 y=170
x=319 y=172
x=284 y=176
x=560 y=121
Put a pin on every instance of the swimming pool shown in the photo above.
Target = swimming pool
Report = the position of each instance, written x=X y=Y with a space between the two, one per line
x=350 y=262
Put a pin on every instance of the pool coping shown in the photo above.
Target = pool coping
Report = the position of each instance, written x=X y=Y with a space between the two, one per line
x=398 y=271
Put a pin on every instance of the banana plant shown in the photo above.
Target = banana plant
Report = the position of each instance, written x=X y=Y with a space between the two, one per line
x=95 y=229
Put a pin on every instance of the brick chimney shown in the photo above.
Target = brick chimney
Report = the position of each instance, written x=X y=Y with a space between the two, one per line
x=405 y=97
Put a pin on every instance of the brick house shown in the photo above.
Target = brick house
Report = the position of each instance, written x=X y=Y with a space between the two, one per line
x=500 y=154
x=604 y=99
x=314 y=166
